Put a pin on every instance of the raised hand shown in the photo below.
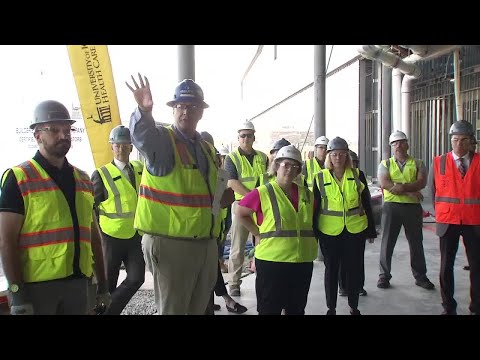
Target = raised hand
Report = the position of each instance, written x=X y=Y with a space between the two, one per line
x=142 y=93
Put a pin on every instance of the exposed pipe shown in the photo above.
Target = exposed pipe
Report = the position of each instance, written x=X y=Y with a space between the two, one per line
x=406 y=89
x=458 y=94
x=255 y=57
x=431 y=52
x=386 y=111
x=420 y=50
x=396 y=99
x=379 y=111
x=372 y=52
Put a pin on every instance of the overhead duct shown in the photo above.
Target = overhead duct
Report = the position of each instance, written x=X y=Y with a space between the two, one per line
x=373 y=52
x=420 y=50
x=424 y=52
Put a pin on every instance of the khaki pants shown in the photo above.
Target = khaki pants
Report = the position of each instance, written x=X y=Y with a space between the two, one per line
x=184 y=273
x=237 y=249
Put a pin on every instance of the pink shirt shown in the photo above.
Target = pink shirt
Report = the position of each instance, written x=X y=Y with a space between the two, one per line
x=252 y=201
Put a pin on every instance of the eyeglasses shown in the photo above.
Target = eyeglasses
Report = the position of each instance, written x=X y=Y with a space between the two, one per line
x=54 y=130
x=243 y=136
x=184 y=107
x=342 y=154
x=289 y=166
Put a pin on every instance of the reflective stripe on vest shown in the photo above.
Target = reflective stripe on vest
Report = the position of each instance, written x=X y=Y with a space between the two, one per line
x=407 y=176
x=333 y=216
x=457 y=199
x=249 y=175
x=179 y=204
x=47 y=237
x=286 y=234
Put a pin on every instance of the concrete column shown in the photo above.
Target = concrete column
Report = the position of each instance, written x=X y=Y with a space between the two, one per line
x=320 y=52
x=186 y=62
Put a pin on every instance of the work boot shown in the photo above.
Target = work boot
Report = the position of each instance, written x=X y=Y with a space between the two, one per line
x=426 y=284
x=383 y=283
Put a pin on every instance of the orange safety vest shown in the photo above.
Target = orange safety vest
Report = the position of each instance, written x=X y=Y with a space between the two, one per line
x=457 y=200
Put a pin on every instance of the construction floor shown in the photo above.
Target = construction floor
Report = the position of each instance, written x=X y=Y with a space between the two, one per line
x=403 y=298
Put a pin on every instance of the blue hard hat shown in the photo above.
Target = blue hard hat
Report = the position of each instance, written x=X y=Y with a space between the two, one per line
x=188 y=91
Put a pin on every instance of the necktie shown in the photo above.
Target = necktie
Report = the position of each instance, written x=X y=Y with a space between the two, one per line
x=131 y=175
x=461 y=167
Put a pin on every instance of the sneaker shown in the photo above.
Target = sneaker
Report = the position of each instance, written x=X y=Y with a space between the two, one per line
x=331 y=312
x=342 y=292
x=355 y=312
x=426 y=284
x=383 y=283
x=363 y=292
x=235 y=291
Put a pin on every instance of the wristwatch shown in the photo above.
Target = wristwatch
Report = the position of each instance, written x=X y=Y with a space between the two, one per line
x=14 y=288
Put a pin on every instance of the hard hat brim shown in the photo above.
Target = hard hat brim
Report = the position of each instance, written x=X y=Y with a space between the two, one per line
x=187 y=100
x=32 y=126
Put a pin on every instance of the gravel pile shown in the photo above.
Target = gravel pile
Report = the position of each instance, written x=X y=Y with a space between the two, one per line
x=142 y=303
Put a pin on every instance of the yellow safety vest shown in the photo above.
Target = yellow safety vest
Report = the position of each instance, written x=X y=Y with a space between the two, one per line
x=46 y=241
x=117 y=212
x=408 y=176
x=179 y=204
x=250 y=176
x=286 y=235
x=341 y=207
x=223 y=217
x=312 y=167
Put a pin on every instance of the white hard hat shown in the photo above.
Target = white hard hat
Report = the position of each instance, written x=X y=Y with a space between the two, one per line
x=246 y=125
x=321 y=140
x=396 y=136
x=289 y=152
x=223 y=150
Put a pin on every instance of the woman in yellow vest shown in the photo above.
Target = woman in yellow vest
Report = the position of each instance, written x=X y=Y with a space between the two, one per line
x=285 y=242
x=342 y=222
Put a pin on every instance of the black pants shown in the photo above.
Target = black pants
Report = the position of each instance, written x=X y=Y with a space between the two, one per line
x=219 y=290
x=342 y=277
x=448 y=251
x=394 y=215
x=346 y=249
x=128 y=251
x=282 y=285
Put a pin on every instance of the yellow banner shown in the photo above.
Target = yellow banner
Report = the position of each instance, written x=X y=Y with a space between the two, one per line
x=98 y=100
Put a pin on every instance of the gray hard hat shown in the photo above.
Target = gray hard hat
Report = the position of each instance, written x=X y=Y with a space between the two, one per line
x=354 y=156
x=120 y=135
x=207 y=137
x=277 y=145
x=337 y=144
x=461 y=127
x=50 y=111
